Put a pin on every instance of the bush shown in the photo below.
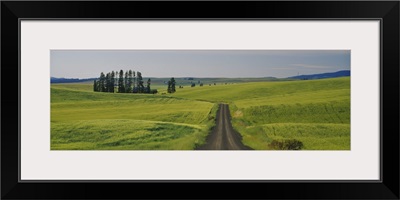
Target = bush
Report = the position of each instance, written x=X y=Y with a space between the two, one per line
x=290 y=144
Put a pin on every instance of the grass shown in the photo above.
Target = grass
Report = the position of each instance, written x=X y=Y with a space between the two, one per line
x=262 y=91
x=317 y=113
x=329 y=112
x=314 y=112
x=124 y=135
x=85 y=120
x=314 y=136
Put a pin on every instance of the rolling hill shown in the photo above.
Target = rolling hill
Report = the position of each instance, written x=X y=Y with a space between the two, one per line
x=323 y=75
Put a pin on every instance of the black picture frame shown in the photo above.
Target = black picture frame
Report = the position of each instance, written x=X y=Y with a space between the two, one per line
x=386 y=11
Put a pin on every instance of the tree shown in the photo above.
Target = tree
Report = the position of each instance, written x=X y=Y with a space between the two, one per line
x=107 y=85
x=148 y=85
x=193 y=85
x=134 y=80
x=140 y=82
x=121 y=88
x=116 y=75
x=130 y=80
x=171 y=85
x=102 y=82
x=126 y=82
x=112 y=77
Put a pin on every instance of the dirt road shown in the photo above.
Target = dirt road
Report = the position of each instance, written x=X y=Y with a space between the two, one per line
x=223 y=136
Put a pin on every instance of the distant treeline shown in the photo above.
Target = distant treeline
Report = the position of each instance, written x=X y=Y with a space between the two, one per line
x=128 y=82
x=68 y=80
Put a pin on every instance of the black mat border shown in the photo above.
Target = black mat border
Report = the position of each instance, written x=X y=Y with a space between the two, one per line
x=388 y=12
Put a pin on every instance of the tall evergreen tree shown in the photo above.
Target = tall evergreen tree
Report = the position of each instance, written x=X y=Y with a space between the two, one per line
x=130 y=79
x=107 y=85
x=112 y=77
x=126 y=82
x=121 y=88
x=140 y=82
x=134 y=80
x=116 y=77
x=173 y=85
x=102 y=82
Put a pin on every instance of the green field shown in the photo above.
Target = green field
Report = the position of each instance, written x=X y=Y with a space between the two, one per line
x=82 y=119
x=314 y=112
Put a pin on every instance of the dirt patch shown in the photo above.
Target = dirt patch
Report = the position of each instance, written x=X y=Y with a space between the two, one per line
x=238 y=114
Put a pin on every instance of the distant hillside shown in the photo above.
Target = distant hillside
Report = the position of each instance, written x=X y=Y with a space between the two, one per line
x=189 y=80
x=324 y=75
x=69 y=80
x=196 y=80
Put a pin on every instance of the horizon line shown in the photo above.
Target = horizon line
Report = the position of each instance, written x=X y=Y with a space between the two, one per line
x=214 y=77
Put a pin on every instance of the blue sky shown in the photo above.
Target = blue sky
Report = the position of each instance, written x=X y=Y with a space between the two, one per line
x=198 y=63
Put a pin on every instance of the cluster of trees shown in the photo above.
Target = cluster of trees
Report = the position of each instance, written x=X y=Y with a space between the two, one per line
x=171 y=85
x=128 y=82
x=105 y=83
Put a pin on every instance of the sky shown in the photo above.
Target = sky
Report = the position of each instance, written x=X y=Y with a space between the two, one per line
x=198 y=63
